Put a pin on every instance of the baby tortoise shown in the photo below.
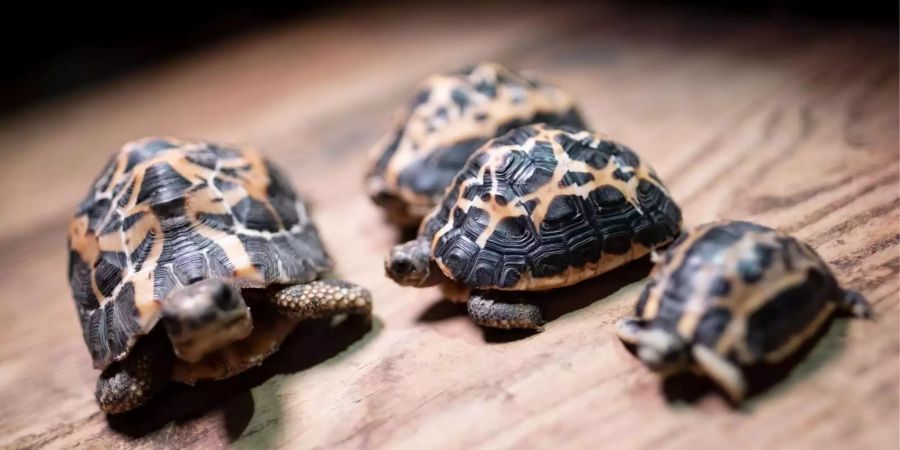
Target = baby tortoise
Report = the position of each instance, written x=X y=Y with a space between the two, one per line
x=200 y=236
x=538 y=208
x=731 y=294
x=450 y=117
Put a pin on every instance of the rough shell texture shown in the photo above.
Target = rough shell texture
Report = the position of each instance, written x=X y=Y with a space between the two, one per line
x=167 y=212
x=543 y=207
x=748 y=292
x=449 y=118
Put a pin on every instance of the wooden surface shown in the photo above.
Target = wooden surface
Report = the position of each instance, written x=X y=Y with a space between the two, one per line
x=788 y=123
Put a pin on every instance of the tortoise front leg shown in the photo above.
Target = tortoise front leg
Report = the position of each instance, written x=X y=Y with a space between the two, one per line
x=322 y=298
x=725 y=373
x=132 y=381
x=491 y=313
x=630 y=330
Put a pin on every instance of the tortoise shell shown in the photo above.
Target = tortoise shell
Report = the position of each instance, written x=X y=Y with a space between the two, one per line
x=543 y=207
x=450 y=117
x=166 y=213
x=746 y=291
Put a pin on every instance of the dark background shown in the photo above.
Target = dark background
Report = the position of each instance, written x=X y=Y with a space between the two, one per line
x=49 y=50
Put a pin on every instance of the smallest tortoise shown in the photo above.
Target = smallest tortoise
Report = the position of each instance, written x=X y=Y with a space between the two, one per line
x=731 y=294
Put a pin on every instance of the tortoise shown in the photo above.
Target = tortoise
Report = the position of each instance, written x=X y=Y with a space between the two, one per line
x=212 y=241
x=538 y=208
x=450 y=116
x=732 y=294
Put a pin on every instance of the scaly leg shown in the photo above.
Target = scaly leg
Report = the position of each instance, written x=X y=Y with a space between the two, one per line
x=854 y=303
x=723 y=372
x=490 y=313
x=322 y=298
x=132 y=381
x=630 y=329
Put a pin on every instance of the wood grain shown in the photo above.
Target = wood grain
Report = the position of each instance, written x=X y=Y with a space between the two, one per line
x=788 y=123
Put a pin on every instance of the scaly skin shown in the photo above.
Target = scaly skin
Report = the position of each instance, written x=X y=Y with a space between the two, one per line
x=322 y=298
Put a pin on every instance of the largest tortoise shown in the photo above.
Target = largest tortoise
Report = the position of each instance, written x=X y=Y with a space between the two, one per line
x=193 y=234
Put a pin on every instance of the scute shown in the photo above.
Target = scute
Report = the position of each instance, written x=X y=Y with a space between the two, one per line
x=511 y=221
x=167 y=212
x=449 y=118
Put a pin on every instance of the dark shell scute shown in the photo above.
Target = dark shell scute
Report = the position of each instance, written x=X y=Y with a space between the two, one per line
x=110 y=328
x=486 y=88
x=753 y=266
x=549 y=259
x=162 y=184
x=785 y=315
x=140 y=254
x=596 y=157
x=108 y=271
x=620 y=174
x=614 y=218
x=203 y=157
x=223 y=185
x=420 y=98
x=301 y=256
x=431 y=174
x=80 y=282
x=113 y=223
x=254 y=215
x=126 y=196
x=514 y=238
x=568 y=226
x=662 y=217
x=146 y=151
x=719 y=287
x=476 y=220
x=460 y=98
x=222 y=222
x=627 y=156
x=235 y=172
x=186 y=257
x=575 y=178
x=97 y=213
x=458 y=249
x=525 y=173
x=711 y=326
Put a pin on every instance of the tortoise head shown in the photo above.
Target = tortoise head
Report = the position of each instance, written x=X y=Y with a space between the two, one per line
x=410 y=264
x=204 y=317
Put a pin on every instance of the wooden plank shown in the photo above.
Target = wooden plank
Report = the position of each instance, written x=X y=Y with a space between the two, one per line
x=791 y=124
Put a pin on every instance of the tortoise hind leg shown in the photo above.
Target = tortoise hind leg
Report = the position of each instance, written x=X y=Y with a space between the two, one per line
x=322 y=298
x=854 y=303
x=490 y=313
x=132 y=381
